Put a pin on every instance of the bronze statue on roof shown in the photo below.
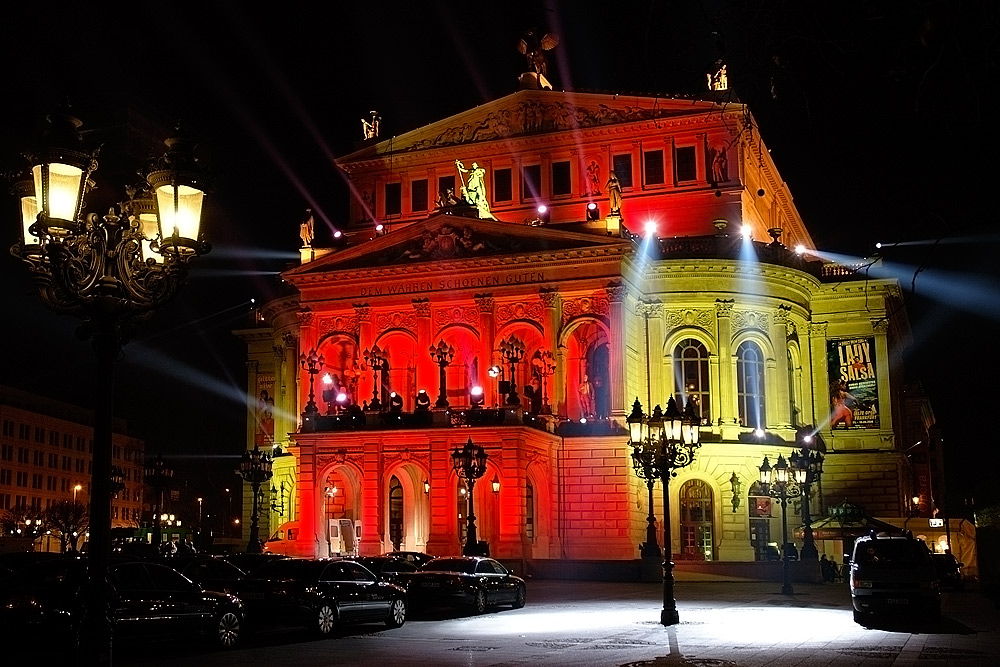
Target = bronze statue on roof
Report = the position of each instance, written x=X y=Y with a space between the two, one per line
x=534 y=47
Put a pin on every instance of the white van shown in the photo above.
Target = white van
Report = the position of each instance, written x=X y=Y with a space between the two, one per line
x=287 y=541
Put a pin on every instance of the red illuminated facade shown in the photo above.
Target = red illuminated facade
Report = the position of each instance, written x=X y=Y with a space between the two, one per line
x=694 y=291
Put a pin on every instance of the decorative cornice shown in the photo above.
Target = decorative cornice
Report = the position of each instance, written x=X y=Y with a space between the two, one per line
x=616 y=292
x=405 y=455
x=340 y=457
x=599 y=305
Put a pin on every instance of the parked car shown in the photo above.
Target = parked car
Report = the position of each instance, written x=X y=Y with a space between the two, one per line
x=389 y=568
x=13 y=561
x=251 y=562
x=147 y=600
x=210 y=572
x=949 y=570
x=320 y=593
x=892 y=576
x=418 y=558
x=468 y=581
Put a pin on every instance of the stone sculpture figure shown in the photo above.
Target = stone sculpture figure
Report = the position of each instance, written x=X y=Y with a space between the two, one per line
x=474 y=190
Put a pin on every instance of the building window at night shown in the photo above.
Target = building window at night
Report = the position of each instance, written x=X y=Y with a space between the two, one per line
x=622 y=166
x=529 y=511
x=653 y=165
x=686 y=169
x=691 y=369
x=696 y=521
x=418 y=195
x=759 y=509
x=561 y=183
x=446 y=183
x=531 y=182
x=393 y=198
x=750 y=385
x=502 y=188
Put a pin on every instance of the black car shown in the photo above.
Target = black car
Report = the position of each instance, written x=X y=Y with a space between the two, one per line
x=389 y=568
x=250 y=562
x=320 y=593
x=147 y=600
x=418 y=558
x=473 y=582
x=210 y=572
x=949 y=570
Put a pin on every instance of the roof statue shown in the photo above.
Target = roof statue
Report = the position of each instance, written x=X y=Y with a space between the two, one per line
x=534 y=47
x=474 y=191
x=306 y=229
x=370 y=127
x=717 y=79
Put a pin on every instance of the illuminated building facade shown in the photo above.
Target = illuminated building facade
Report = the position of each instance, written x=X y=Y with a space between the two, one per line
x=45 y=454
x=564 y=317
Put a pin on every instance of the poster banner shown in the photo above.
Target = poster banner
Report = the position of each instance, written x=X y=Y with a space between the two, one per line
x=853 y=383
x=264 y=413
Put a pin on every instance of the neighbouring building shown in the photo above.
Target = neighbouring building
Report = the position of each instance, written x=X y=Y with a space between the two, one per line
x=45 y=457
x=668 y=260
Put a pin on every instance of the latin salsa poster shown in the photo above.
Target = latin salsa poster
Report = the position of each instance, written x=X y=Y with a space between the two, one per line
x=853 y=383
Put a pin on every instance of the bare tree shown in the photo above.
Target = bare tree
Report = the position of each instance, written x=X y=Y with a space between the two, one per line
x=68 y=520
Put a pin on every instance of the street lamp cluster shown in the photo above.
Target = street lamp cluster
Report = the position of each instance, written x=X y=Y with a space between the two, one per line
x=512 y=351
x=662 y=443
x=470 y=464
x=255 y=468
x=158 y=475
x=112 y=271
x=786 y=481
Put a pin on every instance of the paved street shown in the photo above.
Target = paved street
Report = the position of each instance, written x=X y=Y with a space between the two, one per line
x=599 y=624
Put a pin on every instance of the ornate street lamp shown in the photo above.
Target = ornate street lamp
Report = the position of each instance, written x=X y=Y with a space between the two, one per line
x=643 y=466
x=278 y=499
x=375 y=358
x=512 y=351
x=545 y=365
x=158 y=475
x=470 y=464
x=807 y=468
x=311 y=363
x=255 y=468
x=661 y=445
x=783 y=488
x=442 y=354
x=113 y=273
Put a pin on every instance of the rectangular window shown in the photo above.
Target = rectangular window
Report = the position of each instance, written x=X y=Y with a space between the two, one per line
x=561 y=184
x=685 y=164
x=531 y=181
x=502 y=188
x=22 y=455
x=622 y=166
x=393 y=198
x=418 y=195
x=653 y=164
x=39 y=434
x=446 y=186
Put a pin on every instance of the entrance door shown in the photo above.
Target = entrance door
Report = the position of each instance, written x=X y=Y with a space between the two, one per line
x=395 y=513
x=697 y=541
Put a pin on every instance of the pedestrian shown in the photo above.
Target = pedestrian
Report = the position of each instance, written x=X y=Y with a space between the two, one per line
x=826 y=567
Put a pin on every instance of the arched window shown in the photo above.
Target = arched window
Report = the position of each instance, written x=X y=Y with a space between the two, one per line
x=395 y=513
x=793 y=394
x=750 y=384
x=691 y=377
x=696 y=521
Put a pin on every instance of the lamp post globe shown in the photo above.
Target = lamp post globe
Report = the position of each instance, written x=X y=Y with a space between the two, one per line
x=255 y=469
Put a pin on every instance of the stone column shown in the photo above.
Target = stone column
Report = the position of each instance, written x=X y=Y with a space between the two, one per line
x=657 y=390
x=487 y=344
x=366 y=338
x=307 y=341
x=442 y=539
x=286 y=419
x=253 y=405
x=511 y=501
x=616 y=349
x=820 y=379
x=726 y=391
x=372 y=502
x=782 y=407
x=309 y=529
x=551 y=328
x=426 y=378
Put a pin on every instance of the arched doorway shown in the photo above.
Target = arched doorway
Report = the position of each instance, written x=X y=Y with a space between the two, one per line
x=405 y=509
x=697 y=534
x=395 y=514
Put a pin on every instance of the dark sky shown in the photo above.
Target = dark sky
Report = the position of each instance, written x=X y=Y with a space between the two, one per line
x=875 y=112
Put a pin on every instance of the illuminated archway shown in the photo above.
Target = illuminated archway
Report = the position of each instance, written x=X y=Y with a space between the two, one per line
x=339 y=498
x=587 y=373
x=406 y=507
x=697 y=519
x=464 y=371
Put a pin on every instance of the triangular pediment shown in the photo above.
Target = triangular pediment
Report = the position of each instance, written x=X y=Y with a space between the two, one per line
x=450 y=238
x=529 y=112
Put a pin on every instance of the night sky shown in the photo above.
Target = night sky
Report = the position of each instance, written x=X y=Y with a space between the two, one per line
x=875 y=113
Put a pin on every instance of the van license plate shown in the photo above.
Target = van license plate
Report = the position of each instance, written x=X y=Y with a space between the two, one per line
x=898 y=601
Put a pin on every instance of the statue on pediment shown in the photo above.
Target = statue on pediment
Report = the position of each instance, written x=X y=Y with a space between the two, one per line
x=306 y=229
x=370 y=126
x=474 y=190
x=534 y=47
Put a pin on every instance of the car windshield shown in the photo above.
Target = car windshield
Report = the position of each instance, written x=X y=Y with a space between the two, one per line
x=450 y=565
x=895 y=552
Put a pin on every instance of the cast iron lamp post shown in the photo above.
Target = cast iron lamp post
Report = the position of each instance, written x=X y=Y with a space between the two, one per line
x=375 y=358
x=442 y=354
x=807 y=467
x=512 y=351
x=644 y=468
x=255 y=468
x=158 y=475
x=113 y=272
x=661 y=445
x=545 y=366
x=311 y=363
x=783 y=488
x=470 y=464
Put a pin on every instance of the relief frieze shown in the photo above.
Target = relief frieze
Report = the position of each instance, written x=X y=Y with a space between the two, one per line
x=338 y=323
x=587 y=305
x=456 y=315
x=750 y=319
x=689 y=317
x=395 y=320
